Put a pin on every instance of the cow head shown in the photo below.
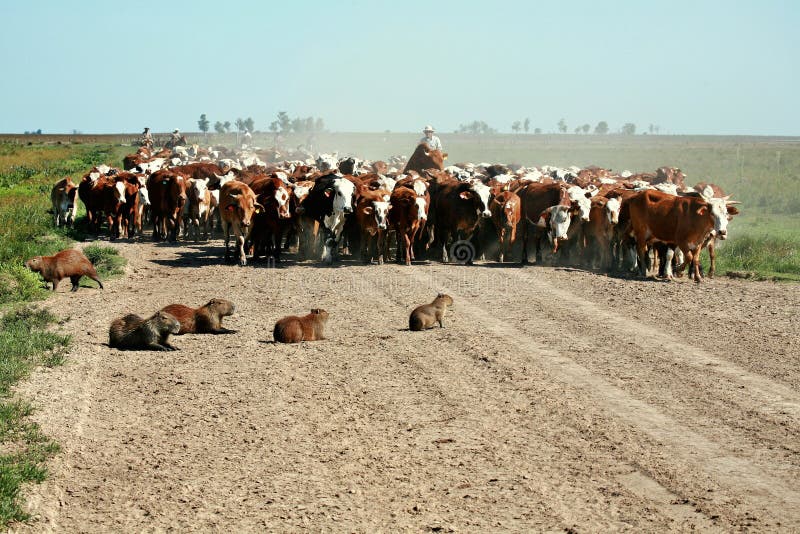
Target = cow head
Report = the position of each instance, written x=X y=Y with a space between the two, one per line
x=342 y=190
x=199 y=190
x=282 y=197
x=422 y=208
x=718 y=210
x=581 y=203
x=481 y=193
x=119 y=192
x=380 y=208
x=144 y=196
x=613 y=206
x=245 y=207
x=556 y=220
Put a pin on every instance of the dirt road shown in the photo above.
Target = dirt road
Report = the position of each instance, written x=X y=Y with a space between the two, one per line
x=553 y=399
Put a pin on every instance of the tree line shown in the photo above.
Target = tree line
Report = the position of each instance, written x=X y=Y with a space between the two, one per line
x=283 y=124
x=601 y=128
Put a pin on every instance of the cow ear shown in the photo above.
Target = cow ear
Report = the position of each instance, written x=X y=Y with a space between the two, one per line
x=327 y=193
x=464 y=195
x=544 y=218
x=732 y=210
x=702 y=210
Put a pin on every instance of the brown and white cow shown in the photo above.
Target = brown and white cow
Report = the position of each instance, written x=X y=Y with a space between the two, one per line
x=372 y=215
x=506 y=209
x=599 y=231
x=686 y=222
x=198 y=207
x=457 y=208
x=64 y=200
x=237 y=205
x=274 y=220
x=537 y=198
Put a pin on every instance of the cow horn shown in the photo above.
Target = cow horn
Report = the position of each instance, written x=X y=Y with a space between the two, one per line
x=234 y=195
x=729 y=202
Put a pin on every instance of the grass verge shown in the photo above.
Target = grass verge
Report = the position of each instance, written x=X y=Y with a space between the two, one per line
x=26 y=229
x=25 y=342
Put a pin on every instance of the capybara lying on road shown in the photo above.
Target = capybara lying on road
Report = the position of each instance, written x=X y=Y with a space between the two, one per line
x=204 y=320
x=136 y=333
x=295 y=329
x=427 y=315
x=71 y=263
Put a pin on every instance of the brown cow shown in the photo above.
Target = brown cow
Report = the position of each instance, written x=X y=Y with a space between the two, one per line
x=237 y=205
x=64 y=201
x=599 y=231
x=423 y=158
x=407 y=217
x=506 y=208
x=198 y=208
x=167 y=193
x=273 y=221
x=682 y=221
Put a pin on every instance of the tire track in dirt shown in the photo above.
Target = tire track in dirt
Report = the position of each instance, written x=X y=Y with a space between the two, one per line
x=748 y=481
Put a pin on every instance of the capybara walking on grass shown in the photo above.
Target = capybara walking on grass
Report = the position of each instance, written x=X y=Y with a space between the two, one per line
x=203 y=320
x=427 y=315
x=295 y=329
x=132 y=332
x=71 y=263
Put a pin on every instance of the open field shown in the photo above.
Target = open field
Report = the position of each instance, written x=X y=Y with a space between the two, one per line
x=555 y=398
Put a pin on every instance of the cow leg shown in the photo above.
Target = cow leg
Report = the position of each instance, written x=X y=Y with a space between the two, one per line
x=227 y=231
x=407 y=246
x=712 y=256
x=668 y=256
x=641 y=254
x=524 y=259
x=240 y=244
x=75 y=282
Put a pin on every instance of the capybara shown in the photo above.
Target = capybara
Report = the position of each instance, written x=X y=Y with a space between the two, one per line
x=71 y=263
x=203 y=320
x=427 y=315
x=295 y=329
x=136 y=333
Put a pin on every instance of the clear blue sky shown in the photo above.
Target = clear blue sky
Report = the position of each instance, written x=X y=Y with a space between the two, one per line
x=704 y=67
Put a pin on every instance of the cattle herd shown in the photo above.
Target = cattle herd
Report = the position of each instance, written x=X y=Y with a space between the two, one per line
x=323 y=206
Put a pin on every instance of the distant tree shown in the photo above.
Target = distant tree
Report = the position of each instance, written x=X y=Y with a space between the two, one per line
x=308 y=124
x=526 y=125
x=284 y=121
x=586 y=128
x=537 y=131
x=577 y=129
x=219 y=127
x=516 y=127
x=239 y=124
x=273 y=126
x=203 y=123
x=249 y=124
x=651 y=128
x=319 y=125
x=39 y=131
x=227 y=125
x=601 y=128
x=628 y=129
x=476 y=127
x=562 y=126
x=657 y=128
x=298 y=125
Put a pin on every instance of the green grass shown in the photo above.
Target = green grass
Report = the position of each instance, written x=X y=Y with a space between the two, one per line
x=765 y=247
x=25 y=342
x=106 y=260
x=26 y=230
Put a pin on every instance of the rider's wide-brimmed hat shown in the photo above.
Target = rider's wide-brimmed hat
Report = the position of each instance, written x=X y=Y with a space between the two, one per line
x=428 y=128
